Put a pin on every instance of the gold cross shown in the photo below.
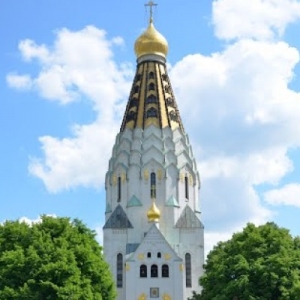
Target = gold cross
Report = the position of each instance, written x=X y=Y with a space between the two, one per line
x=151 y=4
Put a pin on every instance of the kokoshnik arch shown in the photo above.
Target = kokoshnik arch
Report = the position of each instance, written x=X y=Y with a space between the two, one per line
x=153 y=236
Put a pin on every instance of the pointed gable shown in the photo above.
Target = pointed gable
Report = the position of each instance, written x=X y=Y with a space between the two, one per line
x=118 y=219
x=152 y=239
x=172 y=202
x=134 y=201
x=188 y=219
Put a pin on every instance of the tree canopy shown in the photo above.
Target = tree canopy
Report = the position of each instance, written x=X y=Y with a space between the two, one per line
x=258 y=263
x=53 y=259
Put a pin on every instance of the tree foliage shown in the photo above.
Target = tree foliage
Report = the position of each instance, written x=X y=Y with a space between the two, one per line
x=258 y=263
x=54 y=259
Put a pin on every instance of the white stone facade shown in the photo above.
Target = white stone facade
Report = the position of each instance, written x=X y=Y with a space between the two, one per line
x=146 y=164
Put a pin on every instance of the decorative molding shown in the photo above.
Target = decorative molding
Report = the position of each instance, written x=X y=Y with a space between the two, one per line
x=146 y=174
x=114 y=179
x=141 y=256
x=167 y=256
x=159 y=174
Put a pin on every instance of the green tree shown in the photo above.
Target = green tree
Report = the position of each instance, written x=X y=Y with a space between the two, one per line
x=54 y=259
x=258 y=263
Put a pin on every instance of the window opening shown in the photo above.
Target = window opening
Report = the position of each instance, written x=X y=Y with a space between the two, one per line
x=188 y=270
x=186 y=183
x=165 y=271
x=153 y=185
x=119 y=270
x=151 y=75
x=151 y=86
x=119 y=188
x=143 y=271
x=154 y=271
x=158 y=254
x=151 y=113
x=149 y=254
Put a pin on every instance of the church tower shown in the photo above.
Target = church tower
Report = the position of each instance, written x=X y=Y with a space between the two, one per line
x=153 y=236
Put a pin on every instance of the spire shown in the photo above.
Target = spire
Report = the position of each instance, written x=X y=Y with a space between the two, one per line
x=151 y=4
x=151 y=41
x=151 y=100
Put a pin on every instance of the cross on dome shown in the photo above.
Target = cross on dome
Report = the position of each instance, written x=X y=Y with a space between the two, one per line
x=151 y=4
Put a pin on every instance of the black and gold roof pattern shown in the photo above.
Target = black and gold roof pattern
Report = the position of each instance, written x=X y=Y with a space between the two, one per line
x=151 y=100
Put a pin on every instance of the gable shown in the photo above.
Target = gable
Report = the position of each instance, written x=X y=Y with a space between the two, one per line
x=118 y=219
x=134 y=201
x=188 y=219
x=155 y=240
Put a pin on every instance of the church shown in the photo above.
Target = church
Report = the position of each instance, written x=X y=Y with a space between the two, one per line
x=153 y=234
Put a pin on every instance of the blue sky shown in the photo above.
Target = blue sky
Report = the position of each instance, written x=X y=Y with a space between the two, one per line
x=66 y=71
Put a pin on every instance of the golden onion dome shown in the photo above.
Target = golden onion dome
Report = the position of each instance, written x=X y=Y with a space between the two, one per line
x=151 y=42
x=153 y=213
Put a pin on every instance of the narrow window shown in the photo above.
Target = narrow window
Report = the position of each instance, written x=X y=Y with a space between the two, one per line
x=151 y=113
x=151 y=86
x=119 y=188
x=151 y=75
x=149 y=254
x=154 y=271
x=188 y=270
x=158 y=255
x=153 y=185
x=165 y=271
x=119 y=270
x=186 y=183
x=143 y=271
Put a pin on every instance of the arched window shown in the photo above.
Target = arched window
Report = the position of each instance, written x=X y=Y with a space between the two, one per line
x=119 y=270
x=186 y=183
x=136 y=89
x=173 y=116
x=138 y=77
x=119 y=188
x=133 y=102
x=153 y=185
x=154 y=271
x=149 y=254
x=151 y=86
x=170 y=102
x=130 y=116
x=188 y=270
x=158 y=255
x=151 y=99
x=151 y=113
x=165 y=271
x=151 y=75
x=143 y=271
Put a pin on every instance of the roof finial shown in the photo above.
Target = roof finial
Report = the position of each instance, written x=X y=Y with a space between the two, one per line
x=151 y=4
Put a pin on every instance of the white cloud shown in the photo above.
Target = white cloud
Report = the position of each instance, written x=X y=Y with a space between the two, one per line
x=99 y=234
x=242 y=118
x=236 y=105
x=20 y=82
x=259 y=19
x=79 y=65
x=80 y=160
x=34 y=221
x=287 y=195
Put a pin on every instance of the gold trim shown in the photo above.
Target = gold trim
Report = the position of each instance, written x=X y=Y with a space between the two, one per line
x=146 y=174
x=167 y=256
x=141 y=256
x=114 y=179
x=142 y=297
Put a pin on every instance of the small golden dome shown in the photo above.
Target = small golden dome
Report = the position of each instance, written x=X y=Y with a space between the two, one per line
x=153 y=213
x=151 y=42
